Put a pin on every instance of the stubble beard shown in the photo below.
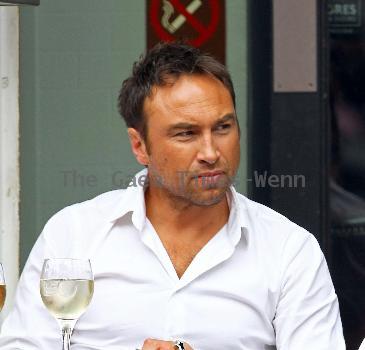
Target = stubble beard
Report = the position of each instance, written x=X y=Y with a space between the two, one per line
x=191 y=193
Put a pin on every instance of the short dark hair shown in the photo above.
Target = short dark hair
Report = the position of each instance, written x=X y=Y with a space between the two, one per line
x=163 y=62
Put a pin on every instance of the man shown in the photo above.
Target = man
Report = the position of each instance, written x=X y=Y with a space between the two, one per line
x=183 y=261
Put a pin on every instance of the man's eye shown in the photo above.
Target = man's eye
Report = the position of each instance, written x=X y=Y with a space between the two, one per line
x=223 y=127
x=185 y=134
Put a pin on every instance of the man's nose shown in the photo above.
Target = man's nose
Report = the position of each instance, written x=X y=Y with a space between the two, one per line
x=208 y=151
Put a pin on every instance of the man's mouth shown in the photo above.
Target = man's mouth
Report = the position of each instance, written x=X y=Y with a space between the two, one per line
x=209 y=178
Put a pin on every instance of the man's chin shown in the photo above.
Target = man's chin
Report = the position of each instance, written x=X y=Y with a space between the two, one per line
x=208 y=198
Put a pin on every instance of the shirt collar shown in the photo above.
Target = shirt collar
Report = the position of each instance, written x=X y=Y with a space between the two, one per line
x=133 y=201
x=238 y=221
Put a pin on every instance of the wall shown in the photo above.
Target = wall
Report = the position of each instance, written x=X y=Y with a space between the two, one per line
x=74 y=56
x=9 y=149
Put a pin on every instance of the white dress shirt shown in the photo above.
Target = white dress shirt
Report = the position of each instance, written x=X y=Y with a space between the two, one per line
x=260 y=283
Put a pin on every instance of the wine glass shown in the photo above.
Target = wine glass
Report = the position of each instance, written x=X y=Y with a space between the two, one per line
x=66 y=286
x=2 y=287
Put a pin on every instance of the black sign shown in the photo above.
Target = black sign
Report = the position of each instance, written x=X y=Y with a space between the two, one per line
x=19 y=2
x=344 y=16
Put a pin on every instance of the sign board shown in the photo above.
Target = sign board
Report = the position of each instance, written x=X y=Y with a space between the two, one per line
x=295 y=47
x=199 y=22
x=344 y=16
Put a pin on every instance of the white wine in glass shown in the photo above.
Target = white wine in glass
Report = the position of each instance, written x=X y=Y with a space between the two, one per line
x=67 y=287
x=2 y=287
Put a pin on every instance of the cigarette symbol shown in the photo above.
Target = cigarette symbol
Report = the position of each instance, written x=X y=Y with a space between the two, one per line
x=168 y=11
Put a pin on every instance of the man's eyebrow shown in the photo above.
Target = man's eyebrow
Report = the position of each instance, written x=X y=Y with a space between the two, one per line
x=190 y=126
x=182 y=125
x=227 y=118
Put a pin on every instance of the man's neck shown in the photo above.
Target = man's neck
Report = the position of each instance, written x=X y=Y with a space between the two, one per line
x=177 y=218
x=184 y=228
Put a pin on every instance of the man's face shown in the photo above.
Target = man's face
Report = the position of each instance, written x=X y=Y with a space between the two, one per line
x=192 y=147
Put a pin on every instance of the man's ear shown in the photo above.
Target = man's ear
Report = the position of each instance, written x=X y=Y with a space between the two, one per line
x=138 y=146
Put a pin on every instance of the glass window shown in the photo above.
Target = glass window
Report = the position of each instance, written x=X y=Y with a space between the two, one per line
x=347 y=167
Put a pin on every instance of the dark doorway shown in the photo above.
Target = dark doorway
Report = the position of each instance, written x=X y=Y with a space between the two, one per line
x=314 y=129
x=347 y=167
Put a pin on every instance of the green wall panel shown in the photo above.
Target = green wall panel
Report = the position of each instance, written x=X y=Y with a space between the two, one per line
x=236 y=60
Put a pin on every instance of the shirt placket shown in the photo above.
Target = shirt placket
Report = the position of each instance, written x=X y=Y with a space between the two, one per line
x=175 y=320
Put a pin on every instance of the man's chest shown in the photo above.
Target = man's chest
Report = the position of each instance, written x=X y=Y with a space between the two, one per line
x=181 y=254
x=127 y=314
x=135 y=298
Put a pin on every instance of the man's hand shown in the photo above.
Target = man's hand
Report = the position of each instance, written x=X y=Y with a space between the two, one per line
x=155 y=344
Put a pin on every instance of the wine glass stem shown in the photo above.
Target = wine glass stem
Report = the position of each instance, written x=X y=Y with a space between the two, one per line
x=67 y=327
x=66 y=337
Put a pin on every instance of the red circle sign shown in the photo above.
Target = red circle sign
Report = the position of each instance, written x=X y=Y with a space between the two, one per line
x=204 y=32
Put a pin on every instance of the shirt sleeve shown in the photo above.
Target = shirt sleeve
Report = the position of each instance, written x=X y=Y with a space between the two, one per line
x=30 y=326
x=307 y=315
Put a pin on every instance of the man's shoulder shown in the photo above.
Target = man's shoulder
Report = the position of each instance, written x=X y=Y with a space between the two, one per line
x=261 y=212
x=98 y=208
x=73 y=230
x=271 y=232
x=267 y=222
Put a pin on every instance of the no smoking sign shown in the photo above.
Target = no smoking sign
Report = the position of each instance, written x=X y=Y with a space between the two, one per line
x=200 y=22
